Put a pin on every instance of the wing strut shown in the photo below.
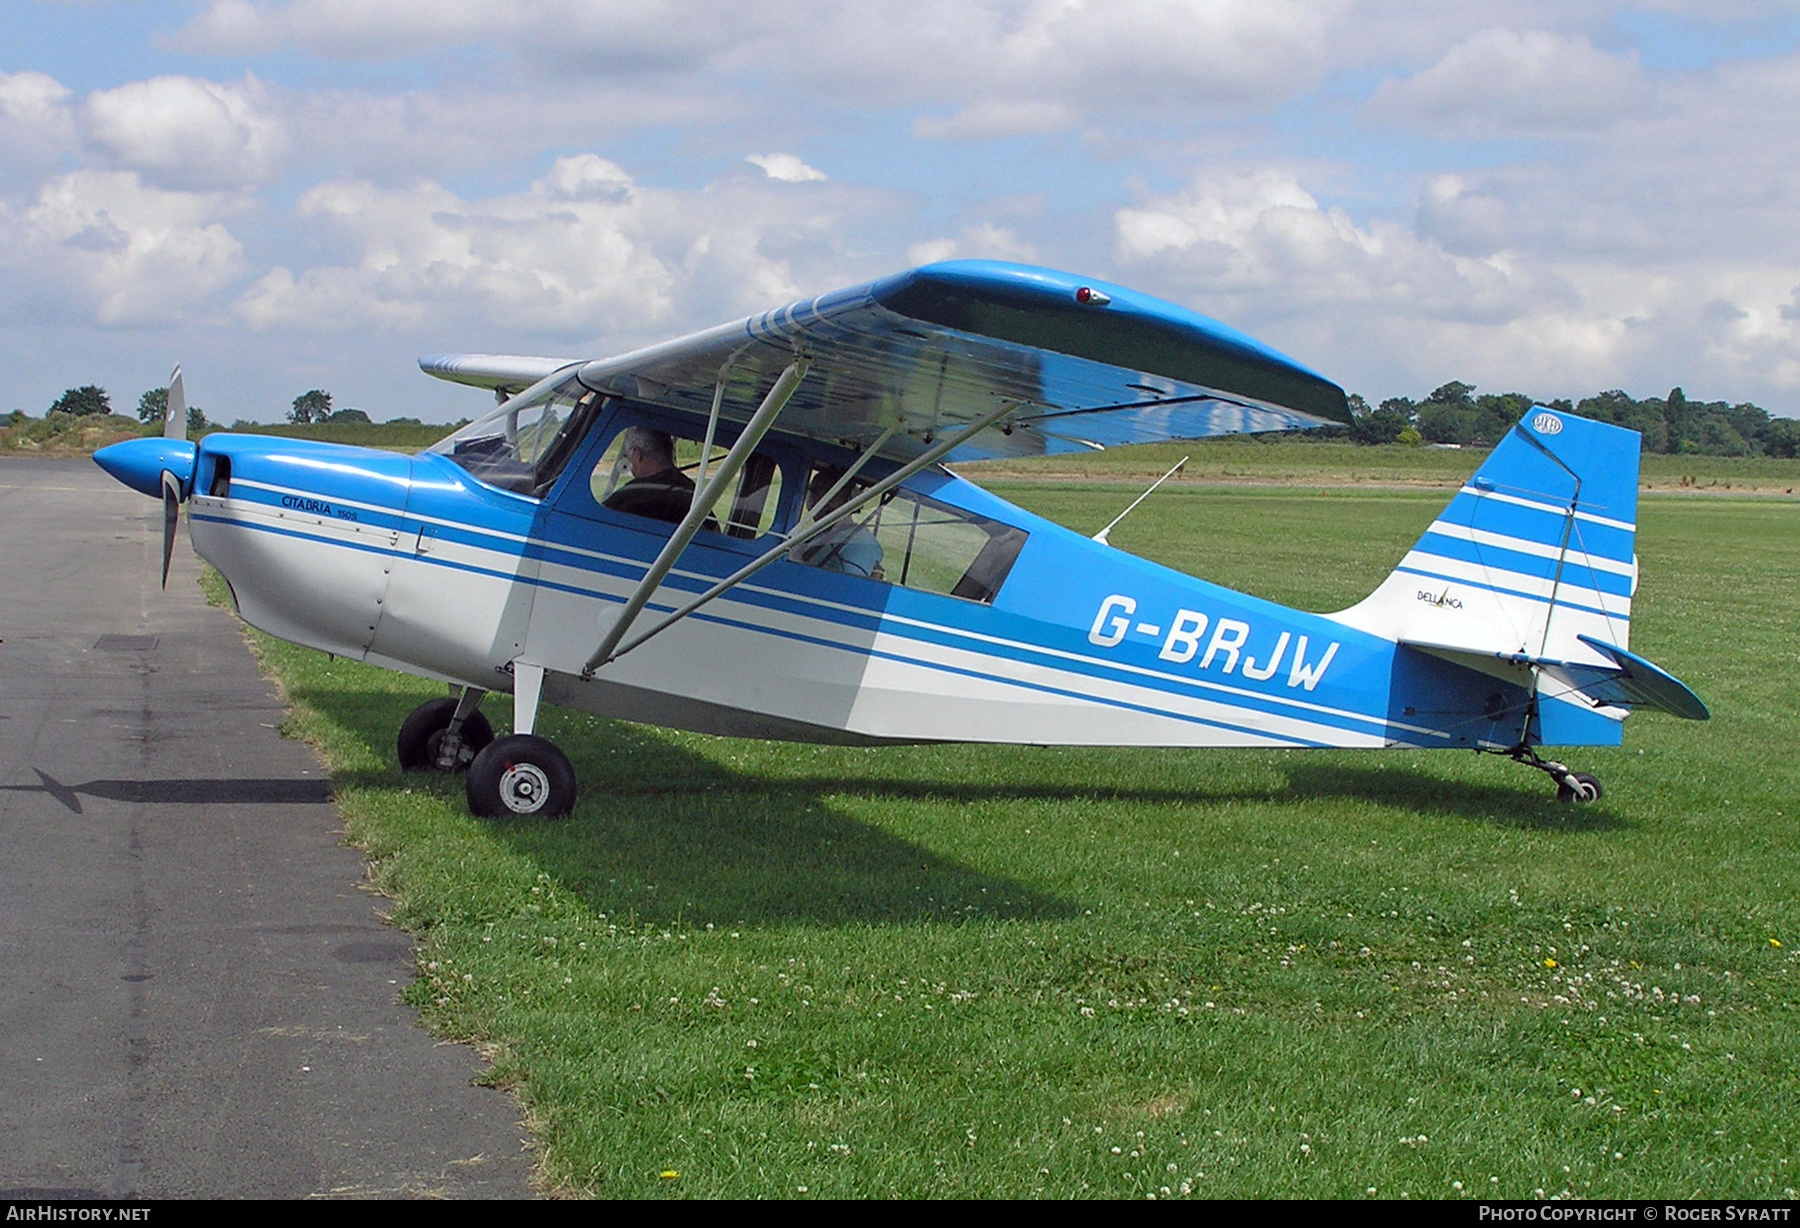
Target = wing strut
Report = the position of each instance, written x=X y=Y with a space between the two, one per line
x=712 y=427
x=806 y=530
x=754 y=430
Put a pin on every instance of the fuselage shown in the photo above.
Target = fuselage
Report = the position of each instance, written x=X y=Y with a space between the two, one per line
x=414 y=564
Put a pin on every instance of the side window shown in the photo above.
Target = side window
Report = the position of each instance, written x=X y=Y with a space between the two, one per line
x=912 y=540
x=651 y=473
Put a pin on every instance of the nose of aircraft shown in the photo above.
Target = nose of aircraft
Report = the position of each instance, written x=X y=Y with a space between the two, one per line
x=140 y=463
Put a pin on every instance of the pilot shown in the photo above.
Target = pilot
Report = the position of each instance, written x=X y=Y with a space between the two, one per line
x=846 y=546
x=657 y=488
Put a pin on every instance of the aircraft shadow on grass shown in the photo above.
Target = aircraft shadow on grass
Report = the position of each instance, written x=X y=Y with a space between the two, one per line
x=672 y=835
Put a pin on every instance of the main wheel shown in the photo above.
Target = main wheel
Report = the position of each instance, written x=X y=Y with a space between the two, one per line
x=521 y=776
x=1590 y=790
x=422 y=735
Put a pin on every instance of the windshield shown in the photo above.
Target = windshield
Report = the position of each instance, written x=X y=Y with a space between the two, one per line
x=522 y=446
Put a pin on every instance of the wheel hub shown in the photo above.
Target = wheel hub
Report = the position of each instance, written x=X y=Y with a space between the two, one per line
x=524 y=788
x=448 y=754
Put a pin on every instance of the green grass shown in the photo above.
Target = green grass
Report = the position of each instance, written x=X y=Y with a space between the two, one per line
x=69 y=435
x=1299 y=461
x=396 y=436
x=968 y=971
x=66 y=434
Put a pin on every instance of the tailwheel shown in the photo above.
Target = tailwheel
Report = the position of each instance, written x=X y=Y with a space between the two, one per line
x=429 y=738
x=521 y=776
x=1579 y=788
x=1572 y=788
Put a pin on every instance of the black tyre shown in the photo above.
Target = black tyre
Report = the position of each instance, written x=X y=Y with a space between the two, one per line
x=422 y=735
x=522 y=776
x=1590 y=791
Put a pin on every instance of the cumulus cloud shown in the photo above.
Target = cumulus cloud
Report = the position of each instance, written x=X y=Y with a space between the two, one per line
x=996 y=118
x=187 y=132
x=1502 y=81
x=1258 y=234
x=1473 y=293
x=584 y=251
x=1013 y=66
x=786 y=167
x=1204 y=55
x=35 y=106
x=36 y=127
x=568 y=250
x=620 y=35
x=103 y=246
x=1585 y=255
x=984 y=241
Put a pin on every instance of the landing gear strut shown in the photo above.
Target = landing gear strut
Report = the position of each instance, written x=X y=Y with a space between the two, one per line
x=1571 y=787
x=522 y=776
x=444 y=735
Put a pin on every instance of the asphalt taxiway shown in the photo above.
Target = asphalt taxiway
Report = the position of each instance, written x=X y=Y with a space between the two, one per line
x=198 y=997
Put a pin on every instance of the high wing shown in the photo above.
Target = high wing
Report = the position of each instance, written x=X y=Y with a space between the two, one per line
x=1083 y=364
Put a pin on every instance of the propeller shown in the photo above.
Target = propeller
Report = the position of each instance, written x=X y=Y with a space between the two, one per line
x=171 y=497
x=174 y=427
x=175 y=415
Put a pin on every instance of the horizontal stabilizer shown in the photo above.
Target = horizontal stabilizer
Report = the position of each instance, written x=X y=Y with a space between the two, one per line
x=501 y=372
x=1628 y=681
x=1636 y=683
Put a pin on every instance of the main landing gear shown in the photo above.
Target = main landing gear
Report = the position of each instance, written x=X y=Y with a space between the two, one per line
x=518 y=776
x=444 y=735
x=521 y=776
x=1572 y=788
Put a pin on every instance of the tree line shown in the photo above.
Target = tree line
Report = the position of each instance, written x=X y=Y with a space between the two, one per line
x=1453 y=414
x=311 y=406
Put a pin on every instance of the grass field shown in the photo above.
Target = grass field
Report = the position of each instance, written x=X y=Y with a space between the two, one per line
x=1290 y=460
x=747 y=969
x=68 y=435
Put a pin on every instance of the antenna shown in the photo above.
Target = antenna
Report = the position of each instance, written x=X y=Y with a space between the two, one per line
x=1101 y=535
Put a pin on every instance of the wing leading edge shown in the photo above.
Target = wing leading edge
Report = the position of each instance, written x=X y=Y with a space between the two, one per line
x=1087 y=364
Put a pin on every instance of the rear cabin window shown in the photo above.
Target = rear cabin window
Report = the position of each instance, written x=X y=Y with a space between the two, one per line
x=651 y=473
x=912 y=540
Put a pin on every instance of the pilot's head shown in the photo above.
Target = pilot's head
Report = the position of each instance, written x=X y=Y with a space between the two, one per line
x=648 y=451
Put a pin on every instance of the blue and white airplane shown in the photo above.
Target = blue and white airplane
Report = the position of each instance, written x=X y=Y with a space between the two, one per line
x=750 y=531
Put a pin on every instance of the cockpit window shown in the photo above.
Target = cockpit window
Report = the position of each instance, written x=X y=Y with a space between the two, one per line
x=909 y=539
x=650 y=472
x=523 y=447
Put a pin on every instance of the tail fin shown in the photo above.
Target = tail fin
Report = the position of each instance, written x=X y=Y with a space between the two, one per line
x=1534 y=551
x=1531 y=569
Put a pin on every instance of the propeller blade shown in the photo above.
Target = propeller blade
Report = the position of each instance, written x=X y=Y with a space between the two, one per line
x=175 y=417
x=171 y=497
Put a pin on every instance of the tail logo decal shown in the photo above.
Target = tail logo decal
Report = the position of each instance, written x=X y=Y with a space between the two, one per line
x=1547 y=424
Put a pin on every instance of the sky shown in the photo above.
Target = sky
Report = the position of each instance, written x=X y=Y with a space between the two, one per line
x=1528 y=195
